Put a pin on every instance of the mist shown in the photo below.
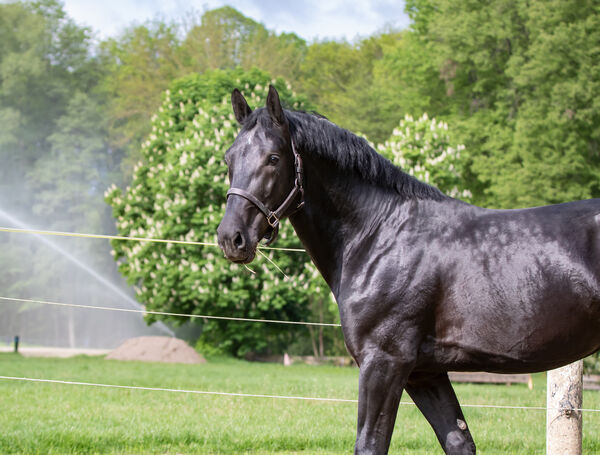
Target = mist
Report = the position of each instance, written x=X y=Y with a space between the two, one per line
x=65 y=270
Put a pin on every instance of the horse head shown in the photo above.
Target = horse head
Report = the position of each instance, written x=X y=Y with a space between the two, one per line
x=265 y=174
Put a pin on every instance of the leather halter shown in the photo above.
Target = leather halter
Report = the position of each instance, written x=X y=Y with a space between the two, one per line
x=273 y=216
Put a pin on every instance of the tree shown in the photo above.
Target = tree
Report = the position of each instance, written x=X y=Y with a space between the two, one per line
x=339 y=78
x=281 y=54
x=521 y=91
x=424 y=149
x=71 y=178
x=140 y=64
x=44 y=58
x=407 y=81
x=556 y=136
x=221 y=39
x=226 y=39
x=178 y=192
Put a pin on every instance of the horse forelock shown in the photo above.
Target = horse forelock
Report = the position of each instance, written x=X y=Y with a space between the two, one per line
x=316 y=135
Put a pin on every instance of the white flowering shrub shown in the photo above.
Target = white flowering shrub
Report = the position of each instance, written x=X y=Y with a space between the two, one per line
x=178 y=192
x=423 y=148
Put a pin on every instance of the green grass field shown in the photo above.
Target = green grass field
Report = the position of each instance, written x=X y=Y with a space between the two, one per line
x=39 y=418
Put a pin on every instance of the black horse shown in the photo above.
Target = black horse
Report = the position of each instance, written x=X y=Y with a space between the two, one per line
x=425 y=283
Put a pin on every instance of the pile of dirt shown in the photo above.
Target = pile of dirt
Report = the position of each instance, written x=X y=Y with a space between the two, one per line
x=156 y=349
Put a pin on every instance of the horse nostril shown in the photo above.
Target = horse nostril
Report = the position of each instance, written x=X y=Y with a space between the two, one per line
x=238 y=241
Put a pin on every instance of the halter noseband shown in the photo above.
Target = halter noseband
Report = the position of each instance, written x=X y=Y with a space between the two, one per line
x=273 y=216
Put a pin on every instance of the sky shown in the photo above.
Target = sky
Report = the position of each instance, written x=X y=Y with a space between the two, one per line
x=309 y=19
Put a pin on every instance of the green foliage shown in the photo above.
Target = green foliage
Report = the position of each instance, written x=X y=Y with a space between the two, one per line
x=208 y=350
x=521 y=90
x=53 y=137
x=226 y=39
x=139 y=66
x=408 y=81
x=71 y=178
x=178 y=192
x=221 y=38
x=340 y=78
x=423 y=148
x=145 y=59
x=591 y=364
x=44 y=58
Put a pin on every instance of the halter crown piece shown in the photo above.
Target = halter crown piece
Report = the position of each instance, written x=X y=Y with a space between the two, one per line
x=273 y=216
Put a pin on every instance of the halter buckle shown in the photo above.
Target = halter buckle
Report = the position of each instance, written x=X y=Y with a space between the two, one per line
x=273 y=220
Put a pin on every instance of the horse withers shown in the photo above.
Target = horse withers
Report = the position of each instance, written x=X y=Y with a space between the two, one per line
x=425 y=283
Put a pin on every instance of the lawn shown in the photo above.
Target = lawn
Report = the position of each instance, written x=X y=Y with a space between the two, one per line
x=39 y=418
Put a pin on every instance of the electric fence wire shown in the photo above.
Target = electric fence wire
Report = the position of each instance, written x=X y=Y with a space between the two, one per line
x=282 y=397
x=135 y=239
x=165 y=313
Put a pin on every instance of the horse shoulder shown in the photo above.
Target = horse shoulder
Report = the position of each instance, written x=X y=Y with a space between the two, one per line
x=386 y=288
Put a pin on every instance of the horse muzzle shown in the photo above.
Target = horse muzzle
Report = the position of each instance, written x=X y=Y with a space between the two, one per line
x=235 y=243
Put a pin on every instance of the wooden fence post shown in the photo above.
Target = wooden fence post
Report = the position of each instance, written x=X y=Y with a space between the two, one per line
x=563 y=424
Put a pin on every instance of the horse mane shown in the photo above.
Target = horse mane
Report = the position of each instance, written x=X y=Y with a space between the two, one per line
x=348 y=152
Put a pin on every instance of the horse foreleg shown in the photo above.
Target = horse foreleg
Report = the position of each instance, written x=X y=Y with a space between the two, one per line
x=435 y=398
x=381 y=381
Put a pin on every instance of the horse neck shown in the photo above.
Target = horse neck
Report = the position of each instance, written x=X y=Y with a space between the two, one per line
x=339 y=211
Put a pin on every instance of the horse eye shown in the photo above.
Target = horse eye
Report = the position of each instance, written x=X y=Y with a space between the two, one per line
x=273 y=159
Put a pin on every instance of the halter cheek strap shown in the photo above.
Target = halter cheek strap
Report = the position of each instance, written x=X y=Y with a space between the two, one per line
x=273 y=216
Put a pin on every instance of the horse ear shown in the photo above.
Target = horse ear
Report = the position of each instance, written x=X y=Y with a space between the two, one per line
x=241 y=110
x=274 y=107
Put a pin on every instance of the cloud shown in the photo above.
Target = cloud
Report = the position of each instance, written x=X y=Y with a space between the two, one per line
x=313 y=19
x=309 y=19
